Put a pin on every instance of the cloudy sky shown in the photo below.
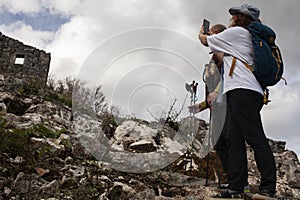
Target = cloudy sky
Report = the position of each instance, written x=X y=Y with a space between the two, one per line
x=150 y=48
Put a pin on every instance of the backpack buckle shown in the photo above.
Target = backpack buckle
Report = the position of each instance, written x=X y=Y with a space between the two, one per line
x=266 y=97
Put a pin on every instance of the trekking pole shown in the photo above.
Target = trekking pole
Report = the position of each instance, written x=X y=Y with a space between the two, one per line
x=194 y=98
x=193 y=101
x=208 y=147
x=192 y=88
x=218 y=172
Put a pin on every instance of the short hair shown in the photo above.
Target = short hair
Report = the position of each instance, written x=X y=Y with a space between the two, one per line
x=218 y=28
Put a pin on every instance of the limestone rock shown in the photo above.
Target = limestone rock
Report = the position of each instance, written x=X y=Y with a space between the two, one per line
x=69 y=171
x=142 y=146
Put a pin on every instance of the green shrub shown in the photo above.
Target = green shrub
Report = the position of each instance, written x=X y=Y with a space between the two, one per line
x=15 y=142
x=40 y=130
x=30 y=88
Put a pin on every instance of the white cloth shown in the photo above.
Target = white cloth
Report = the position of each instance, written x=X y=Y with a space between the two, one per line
x=237 y=42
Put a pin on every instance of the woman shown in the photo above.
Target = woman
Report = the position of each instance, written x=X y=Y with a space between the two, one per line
x=244 y=102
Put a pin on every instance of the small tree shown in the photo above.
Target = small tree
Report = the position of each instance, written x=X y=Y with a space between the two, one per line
x=69 y=89
x=89 y=101
x=170 y=116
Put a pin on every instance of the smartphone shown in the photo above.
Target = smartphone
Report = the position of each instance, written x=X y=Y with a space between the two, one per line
x=206 y=26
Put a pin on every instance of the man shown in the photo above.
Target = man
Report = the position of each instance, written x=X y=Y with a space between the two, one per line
x=244 y=97
x=212 y=78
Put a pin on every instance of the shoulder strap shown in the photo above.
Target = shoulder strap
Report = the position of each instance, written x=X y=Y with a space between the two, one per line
x=233 y=65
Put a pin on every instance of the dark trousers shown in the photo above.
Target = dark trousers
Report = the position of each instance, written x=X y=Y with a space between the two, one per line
x=243 y=124
x=222 y=150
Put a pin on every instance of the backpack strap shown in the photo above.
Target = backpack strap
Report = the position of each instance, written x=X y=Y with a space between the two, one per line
x=276 y=55
x=266 y=91
x=233 y=65
x=251 y=68
x=266 y=97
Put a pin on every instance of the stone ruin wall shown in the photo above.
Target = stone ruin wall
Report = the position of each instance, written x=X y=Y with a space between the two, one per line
x=20 y=63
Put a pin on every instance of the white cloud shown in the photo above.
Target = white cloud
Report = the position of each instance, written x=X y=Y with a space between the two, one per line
x=32 y=7
x=16 y=6
x=99 y=21
x=72 y=44
x=27 y=35
x=65 y=7
x=281 y=116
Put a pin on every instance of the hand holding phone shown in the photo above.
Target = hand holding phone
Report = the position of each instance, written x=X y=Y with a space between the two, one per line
x=206 y=26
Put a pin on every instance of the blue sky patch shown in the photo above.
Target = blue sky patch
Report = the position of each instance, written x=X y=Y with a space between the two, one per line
x=43 y=21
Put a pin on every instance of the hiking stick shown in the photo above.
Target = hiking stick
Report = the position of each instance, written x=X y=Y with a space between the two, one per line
x=208 y=149
x=192 y=88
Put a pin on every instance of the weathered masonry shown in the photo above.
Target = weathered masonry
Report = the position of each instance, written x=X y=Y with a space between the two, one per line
x=20 y=63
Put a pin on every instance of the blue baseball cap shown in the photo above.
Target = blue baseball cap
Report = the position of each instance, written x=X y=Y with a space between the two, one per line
x=246 y=9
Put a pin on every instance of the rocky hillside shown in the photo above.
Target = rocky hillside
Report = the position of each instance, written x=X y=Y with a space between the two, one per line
x=42 y=157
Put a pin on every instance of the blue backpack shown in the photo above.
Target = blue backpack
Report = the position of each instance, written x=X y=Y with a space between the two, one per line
x=268 y=68
x=268 y=64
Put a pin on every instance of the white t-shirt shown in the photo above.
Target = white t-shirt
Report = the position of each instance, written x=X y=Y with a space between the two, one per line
x=237 y=42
